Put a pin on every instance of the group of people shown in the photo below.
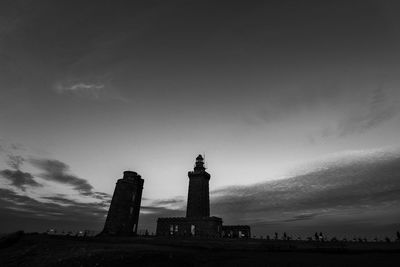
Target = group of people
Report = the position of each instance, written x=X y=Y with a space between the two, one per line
x=320 y=237
x=84 y=233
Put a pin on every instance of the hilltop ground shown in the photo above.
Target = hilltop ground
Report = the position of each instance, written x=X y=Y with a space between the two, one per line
x=43 y=250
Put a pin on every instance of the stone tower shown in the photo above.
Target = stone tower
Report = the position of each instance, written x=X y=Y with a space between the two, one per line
x=123 y=215
x=198 y=204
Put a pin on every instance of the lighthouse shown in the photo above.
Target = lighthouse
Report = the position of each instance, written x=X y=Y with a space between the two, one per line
x=198 y=203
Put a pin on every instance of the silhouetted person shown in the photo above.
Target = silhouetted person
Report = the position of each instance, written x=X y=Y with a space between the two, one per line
x=316 y=236
x=284 y=236
x=267 y=237
x=276 y=236
x=398 y=235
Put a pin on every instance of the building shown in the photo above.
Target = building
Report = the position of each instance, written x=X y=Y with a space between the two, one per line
x=198 y=203
x=198 y=221
x=123 y=215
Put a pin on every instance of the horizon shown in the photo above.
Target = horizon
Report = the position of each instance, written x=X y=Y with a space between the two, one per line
x=295 y=106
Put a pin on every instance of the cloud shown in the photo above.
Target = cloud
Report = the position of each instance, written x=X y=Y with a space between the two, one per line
x=57 y=171
x=175 y=202
x=35 y=211
x=58 y=211
x=15 y=161
x=302 y=217
x=90 y=90
x=382 y=107
x=83 y=86
x=102 y=196
x=19 y=179
x=337 y=193
x=55 y=211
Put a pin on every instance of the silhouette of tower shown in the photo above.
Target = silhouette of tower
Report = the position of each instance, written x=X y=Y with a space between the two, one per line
x=123 y=215
x=198 y=204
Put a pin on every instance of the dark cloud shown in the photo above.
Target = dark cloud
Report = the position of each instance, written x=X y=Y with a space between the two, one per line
x=54 y=170
x=19 y=179
x=102 y=196
x=25 y=212
x=41 y=212
x=342 y=191
x=30 y=214
x=302 y=217
x=58 y=171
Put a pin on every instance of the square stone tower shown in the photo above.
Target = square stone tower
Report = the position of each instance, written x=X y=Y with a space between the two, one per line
x=123 y=215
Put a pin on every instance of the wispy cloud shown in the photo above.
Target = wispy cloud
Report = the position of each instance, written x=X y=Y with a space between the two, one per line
x=176 y=203
x=381 y=109
x=57 y=171
x=15 y=161
x=83 y=86
x=90 y=90
x=17 y=177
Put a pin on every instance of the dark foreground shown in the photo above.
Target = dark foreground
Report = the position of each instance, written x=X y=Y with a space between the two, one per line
x=44 y=250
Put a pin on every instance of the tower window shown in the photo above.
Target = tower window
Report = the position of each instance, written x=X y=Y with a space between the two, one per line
x=193 y=230
x=131 y=211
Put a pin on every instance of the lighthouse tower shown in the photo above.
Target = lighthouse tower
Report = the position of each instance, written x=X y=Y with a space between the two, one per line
x=198 y=221
x=198 y=204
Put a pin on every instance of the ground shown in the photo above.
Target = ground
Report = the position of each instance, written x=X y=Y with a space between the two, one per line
x=22 y=249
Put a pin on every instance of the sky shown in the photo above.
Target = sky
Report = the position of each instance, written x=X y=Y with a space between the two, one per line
x=295 y=104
